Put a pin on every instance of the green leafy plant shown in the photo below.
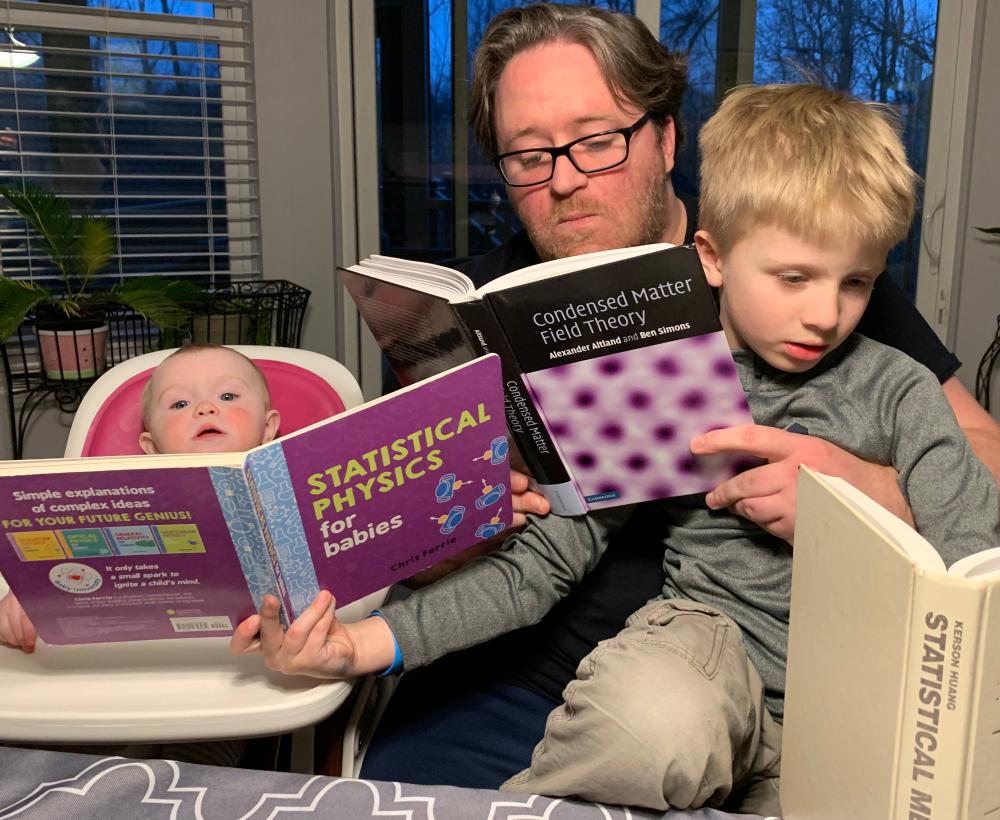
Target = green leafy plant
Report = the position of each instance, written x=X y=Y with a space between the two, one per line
x=990 y=231
x=79 y=247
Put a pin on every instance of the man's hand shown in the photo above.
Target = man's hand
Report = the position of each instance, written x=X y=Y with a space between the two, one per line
x=16 y=629
x=525 y=501
x=766 y=494
x=316 y=644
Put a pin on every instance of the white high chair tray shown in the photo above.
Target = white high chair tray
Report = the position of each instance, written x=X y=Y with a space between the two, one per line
x=147 y=691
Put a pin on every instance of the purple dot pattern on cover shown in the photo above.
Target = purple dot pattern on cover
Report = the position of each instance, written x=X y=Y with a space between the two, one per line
x=625 y=420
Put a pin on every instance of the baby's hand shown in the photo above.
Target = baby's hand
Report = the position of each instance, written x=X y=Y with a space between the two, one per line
x=316 y=644
x=15 y=628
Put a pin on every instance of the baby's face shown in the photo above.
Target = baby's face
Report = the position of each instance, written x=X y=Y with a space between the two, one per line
x=209 y=401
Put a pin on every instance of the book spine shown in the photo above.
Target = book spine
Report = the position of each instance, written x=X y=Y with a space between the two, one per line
x=283 y=596
x=525 y=422
x=939 y=698
x=274 y=499
x=237 y=505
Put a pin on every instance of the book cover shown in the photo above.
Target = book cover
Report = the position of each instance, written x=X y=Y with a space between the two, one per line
x=123 y=554
x=613 y=362
x=376 y=500
x=891 y=707
x=626 y=363
x=141 y=547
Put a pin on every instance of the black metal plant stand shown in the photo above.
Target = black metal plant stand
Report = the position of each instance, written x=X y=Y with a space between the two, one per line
x=984 y=373
x=32 y=385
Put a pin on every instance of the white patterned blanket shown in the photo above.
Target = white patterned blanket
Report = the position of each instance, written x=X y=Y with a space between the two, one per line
x=37 y=785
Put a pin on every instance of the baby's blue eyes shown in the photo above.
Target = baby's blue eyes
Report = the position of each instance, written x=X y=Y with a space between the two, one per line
x=180 y=404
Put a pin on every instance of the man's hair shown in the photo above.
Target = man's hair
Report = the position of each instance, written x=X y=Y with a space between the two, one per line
x=147 y=391
x=815 y=162
x=639 y=71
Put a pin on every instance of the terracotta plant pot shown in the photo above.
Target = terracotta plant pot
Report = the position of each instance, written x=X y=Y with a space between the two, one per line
x=72 y=349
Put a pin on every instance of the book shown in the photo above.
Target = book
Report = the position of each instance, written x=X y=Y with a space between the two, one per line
x=148 y=547
x=612 y=362
x=892 y=703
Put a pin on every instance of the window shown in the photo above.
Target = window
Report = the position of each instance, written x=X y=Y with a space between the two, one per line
x=880 y=51
x=141 y=111
x=441 y=198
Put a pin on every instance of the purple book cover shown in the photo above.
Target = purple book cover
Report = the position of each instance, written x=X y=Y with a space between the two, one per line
x=352 y=504
x=626 y=362
x=389 y=489
x=622 y=423
x=119 y=555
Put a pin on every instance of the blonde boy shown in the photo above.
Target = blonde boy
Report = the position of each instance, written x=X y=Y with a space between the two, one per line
x=200 y=399
x=804 y=191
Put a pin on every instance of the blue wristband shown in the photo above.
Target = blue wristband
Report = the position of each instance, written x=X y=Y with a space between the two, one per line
x=396 y=666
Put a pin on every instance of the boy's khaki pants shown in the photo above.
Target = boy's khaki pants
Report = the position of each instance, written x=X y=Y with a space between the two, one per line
x=667 y=714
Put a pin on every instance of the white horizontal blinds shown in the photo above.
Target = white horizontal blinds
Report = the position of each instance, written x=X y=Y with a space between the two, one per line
x=141 y=111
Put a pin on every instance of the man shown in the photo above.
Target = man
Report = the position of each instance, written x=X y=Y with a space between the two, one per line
x=552 y=77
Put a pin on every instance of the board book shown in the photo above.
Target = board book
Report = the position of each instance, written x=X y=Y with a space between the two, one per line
x=146 y=547
x=612 y=362
x=892 y=702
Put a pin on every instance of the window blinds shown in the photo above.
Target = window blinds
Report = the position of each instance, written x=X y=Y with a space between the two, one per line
x=141 y=111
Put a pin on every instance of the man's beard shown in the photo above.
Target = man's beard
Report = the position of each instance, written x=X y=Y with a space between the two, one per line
x=652 y=202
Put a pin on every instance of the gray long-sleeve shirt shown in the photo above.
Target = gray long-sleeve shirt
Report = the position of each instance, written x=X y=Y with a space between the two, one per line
x=865 y=397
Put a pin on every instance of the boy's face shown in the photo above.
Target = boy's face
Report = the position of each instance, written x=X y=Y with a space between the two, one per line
x=208 y=401
x=789 y=299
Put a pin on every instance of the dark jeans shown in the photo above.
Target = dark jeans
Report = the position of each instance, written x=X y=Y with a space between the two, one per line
x=438 y=731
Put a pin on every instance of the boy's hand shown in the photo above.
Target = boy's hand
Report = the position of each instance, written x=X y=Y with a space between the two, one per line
x=766 y=494
x=16 y=629
x=524 y=501
x=316 y=644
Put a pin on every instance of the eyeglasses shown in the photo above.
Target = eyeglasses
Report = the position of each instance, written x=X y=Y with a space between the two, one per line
x=590 y=154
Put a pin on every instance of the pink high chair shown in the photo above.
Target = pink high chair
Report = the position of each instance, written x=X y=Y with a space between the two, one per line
x=305 y=387
x=183 y=689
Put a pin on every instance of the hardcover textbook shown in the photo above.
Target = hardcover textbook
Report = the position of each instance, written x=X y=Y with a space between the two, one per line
x=892 y=703
x=612 y=362
x=142 y=547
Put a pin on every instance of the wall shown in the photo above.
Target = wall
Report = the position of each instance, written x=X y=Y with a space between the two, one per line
x=978 y=289
x=46 y=436
x=295 y=149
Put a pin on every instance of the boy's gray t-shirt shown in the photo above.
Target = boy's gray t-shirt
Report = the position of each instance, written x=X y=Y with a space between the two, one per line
x=867 y=398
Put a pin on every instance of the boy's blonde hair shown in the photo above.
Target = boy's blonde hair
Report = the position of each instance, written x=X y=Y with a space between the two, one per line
x=147 y=391
x=812 y=161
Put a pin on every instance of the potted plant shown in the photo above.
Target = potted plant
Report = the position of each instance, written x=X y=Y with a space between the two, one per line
x=70 y=320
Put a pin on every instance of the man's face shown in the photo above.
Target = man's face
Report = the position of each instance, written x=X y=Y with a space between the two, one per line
x=553 y=94
x=791 y=300
x=207 y=401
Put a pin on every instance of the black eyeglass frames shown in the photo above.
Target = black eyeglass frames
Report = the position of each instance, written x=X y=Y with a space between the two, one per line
x=589 y=155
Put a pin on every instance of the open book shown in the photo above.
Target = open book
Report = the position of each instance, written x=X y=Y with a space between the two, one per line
x=892 y=704
x=140 y=547
x=612 y=362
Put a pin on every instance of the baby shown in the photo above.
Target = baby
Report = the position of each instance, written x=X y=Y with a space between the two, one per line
x=200 y=399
